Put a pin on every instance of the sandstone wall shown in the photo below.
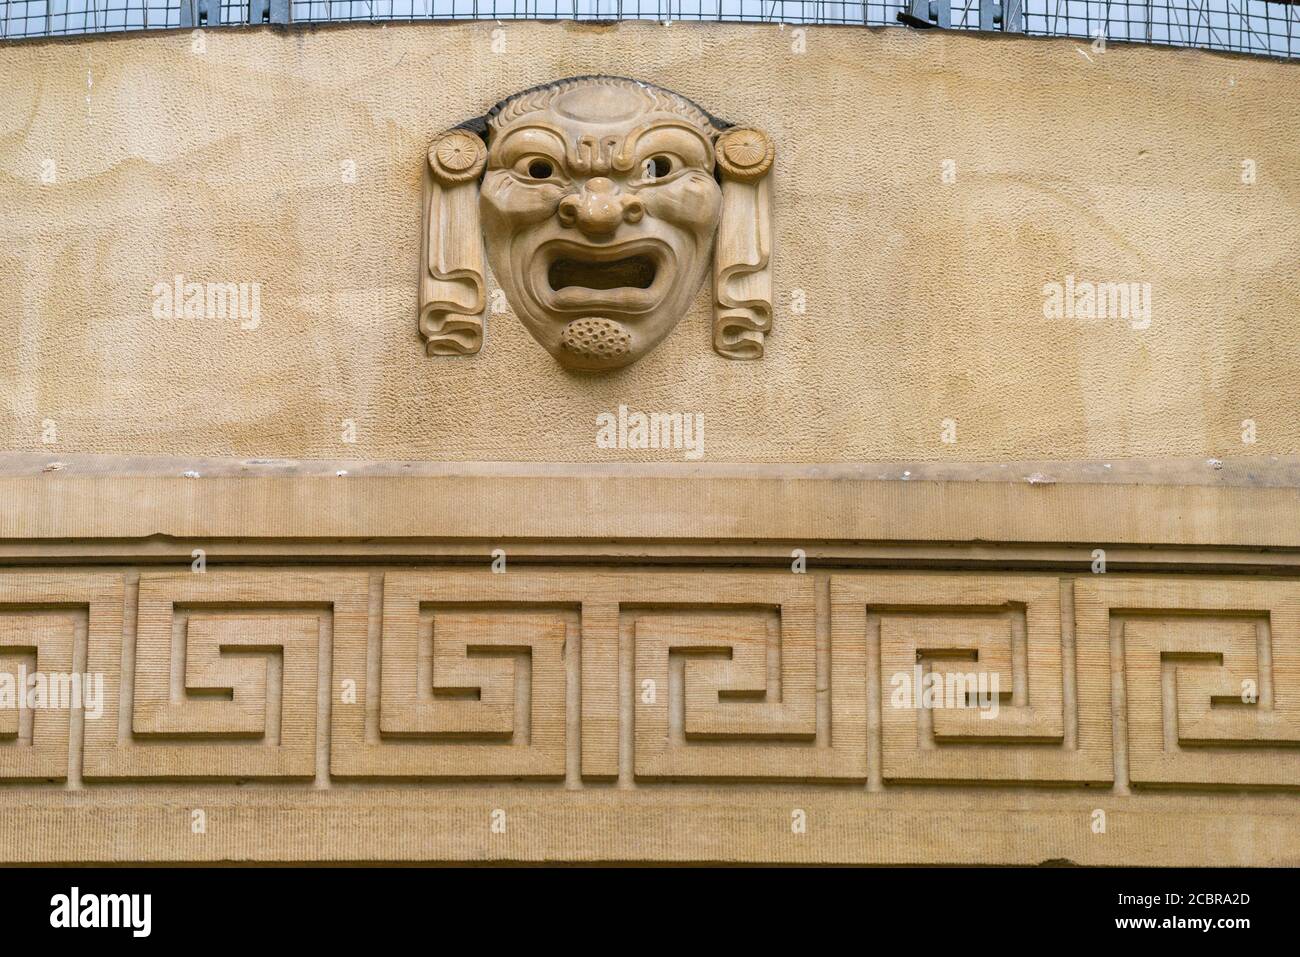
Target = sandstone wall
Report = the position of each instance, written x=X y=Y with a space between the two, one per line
x=924 y=300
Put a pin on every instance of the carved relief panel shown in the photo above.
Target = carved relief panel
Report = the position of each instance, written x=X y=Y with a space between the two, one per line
x=655 y=676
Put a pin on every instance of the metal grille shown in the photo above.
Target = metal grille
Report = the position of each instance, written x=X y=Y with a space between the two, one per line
x=875 y=13
x=1261 y=27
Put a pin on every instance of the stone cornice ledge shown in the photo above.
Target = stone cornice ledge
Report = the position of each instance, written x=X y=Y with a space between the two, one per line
x=1253 y=505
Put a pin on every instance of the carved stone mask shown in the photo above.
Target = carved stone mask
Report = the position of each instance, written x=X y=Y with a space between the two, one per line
x=600 y=204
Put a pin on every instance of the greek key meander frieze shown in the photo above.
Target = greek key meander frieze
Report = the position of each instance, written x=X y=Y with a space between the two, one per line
x=581 y=676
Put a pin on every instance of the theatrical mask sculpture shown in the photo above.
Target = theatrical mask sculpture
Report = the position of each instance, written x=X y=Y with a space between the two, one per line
x=602 y=201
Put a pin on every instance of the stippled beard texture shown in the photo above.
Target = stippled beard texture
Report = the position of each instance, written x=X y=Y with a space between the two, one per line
x=596 y=341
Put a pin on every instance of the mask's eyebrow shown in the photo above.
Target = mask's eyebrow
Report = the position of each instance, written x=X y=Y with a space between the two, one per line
x=522 y=140
x=684 y=137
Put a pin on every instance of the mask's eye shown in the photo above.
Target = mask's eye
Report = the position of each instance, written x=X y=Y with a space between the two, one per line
x=658 y=166
x=537 y=168
x=541 y=169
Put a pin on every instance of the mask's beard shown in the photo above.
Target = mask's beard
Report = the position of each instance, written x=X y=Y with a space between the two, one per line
x=596 y=338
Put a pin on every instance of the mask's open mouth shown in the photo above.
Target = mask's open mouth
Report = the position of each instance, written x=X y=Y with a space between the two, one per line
x=630 y=272
x=582 y=279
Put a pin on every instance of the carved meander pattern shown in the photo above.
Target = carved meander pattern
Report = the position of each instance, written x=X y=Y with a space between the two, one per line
x=583 y=677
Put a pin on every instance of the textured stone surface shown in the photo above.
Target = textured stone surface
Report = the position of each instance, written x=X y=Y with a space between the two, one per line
x=923 y=299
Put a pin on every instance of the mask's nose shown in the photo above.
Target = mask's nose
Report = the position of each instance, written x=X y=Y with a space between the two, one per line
x=599 y=208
